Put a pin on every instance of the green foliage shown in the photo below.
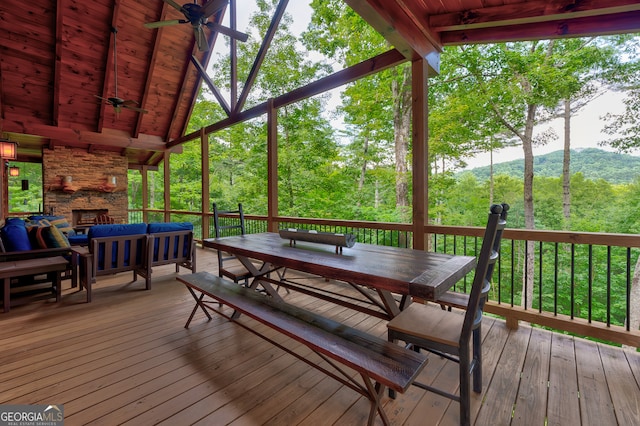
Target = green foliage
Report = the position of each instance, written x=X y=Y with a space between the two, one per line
x=26 y=200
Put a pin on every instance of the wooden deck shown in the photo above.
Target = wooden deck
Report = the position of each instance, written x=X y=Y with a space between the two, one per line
x=126 y=358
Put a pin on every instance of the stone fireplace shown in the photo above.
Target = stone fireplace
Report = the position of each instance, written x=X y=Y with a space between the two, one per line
x=80 y=185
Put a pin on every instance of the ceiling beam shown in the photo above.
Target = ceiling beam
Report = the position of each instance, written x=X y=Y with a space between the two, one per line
x=579 y=27
x=151 y=67
x=376 y=64
x=203 y=73
x=57 y=66
x=257 y=63
x=399 y=24
x=529 y=12
x=187 y=78
x=75 y=137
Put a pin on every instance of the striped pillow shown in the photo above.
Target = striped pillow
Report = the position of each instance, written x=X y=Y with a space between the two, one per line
x=54 y=237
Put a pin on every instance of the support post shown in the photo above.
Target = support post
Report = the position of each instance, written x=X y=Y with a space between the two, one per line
x=272 y=166
x=206 y=202
x=420 y=110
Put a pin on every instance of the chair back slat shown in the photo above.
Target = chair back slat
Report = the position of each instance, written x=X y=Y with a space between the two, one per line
x=484 y=269
x=221 y=229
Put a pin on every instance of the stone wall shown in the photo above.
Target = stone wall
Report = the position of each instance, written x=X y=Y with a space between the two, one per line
x=90 y=184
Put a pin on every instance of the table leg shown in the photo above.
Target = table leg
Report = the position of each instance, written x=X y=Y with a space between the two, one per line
x=6 y=282
x=58 y=284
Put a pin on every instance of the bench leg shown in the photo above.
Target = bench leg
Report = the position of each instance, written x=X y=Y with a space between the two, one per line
x=375 y=394
x=195 y=308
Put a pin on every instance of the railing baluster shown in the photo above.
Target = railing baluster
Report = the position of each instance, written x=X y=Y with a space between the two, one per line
x=590 y=282
x=540 y=252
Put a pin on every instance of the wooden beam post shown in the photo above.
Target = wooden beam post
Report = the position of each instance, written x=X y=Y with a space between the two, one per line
x=420 y=109
x=167 y=186
x=206 y=202
x=4 y=198
x=272 y=166
x=144 y=171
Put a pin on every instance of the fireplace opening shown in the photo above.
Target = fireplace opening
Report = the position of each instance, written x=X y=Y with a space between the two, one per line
x=86 y=216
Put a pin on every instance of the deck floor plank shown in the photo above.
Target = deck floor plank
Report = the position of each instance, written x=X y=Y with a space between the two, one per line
x=531 y=406
x=596 y=407
x=126 y=358
x=623 y=391
x=564 y=404
x=505 y=380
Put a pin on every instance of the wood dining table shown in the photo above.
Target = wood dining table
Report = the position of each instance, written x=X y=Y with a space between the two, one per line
x=386 y=277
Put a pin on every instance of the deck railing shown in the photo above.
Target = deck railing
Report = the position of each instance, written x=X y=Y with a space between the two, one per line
x=575 y=282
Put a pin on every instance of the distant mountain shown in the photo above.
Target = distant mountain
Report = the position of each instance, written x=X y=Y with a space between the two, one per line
x=593 y=163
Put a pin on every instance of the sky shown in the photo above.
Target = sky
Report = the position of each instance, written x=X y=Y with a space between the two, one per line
x=586 y=132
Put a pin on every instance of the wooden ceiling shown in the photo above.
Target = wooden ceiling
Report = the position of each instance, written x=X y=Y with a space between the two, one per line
x=56 y=57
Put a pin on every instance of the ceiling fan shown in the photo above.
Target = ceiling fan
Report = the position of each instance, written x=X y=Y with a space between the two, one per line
x=115 y=101
x=198 y=16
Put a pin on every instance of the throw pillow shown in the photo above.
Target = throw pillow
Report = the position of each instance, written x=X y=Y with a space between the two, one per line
x=54 y=238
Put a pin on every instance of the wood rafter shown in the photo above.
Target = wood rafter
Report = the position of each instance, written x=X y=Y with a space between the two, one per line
x=152 y=66
x=622 y=23
x=266 y=42
x=216 y=93
x=381 y=62
x=529 y=12
x=57 y=71
x=109 y=74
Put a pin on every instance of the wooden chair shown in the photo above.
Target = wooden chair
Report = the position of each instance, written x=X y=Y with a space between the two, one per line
x=103 y=219
x=448 y=333
x=228 y=265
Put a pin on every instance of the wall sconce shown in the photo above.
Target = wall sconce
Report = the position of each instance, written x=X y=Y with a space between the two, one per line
x=8 y=149
x=14 y=171
x=113 y=180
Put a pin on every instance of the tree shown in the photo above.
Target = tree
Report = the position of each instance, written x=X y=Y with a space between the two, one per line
x=370 y=103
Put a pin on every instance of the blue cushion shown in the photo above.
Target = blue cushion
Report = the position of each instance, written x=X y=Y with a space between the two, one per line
x=169 y=227
x=14 y=235
x=78 y=239
x=117 y=230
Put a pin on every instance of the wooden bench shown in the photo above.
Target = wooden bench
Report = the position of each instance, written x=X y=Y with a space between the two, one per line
x=380 y=363
x=52 y=266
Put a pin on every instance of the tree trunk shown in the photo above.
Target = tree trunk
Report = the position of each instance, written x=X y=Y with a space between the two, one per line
x=491 y=176
x=402 y=134
x=363 y=170
x=529 y=222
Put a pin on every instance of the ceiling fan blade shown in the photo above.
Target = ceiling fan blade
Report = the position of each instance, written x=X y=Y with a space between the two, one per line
x=174 y=5
x=201 y=39
x=227 y=31
x=134 y=108
x=159 y=24
x=212 y=6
